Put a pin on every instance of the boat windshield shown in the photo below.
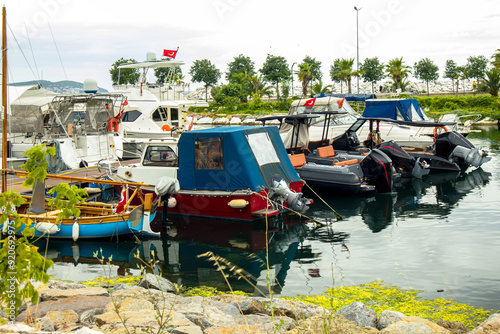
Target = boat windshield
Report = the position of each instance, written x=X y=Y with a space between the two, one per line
x=160 y=156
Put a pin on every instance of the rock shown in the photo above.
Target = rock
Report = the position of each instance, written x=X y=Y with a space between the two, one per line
x=330 y=323
x=86 y=330
x=412 y=325
x=453 y=327
x=242 y=329
x=129 y=304
x=138 y=293
x=489 y=326
x=187 y=330
x=360 y=314
x=16 y=328
x=120 y=286
x=55 y=294
x=62 y=319
x=142 y=318
x=88 y=317
x=79 y=304
x=45 y=324
x=65 y=285
x=387 y=318
x=152 y=281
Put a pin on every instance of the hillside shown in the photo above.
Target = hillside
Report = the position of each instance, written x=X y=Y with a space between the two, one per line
x=60 y=87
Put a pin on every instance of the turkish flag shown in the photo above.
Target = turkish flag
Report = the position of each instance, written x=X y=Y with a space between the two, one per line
x=121 y=205
x=340 y=102
x=170 y=53
x=310 y=103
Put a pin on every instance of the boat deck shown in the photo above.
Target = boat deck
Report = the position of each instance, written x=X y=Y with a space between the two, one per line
x=14 y=182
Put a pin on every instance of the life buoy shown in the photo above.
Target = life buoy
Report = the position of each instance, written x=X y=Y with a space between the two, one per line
x=113 y=124
x=166 y=127
x=437 y=128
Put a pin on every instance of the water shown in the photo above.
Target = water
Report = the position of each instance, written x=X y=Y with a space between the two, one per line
x=439 y=235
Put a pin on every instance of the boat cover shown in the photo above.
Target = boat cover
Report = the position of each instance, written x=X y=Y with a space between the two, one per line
x=240 y=158
x=398 y=109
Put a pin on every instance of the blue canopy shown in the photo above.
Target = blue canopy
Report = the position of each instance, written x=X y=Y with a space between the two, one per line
x=238 y=158
x=398 y=109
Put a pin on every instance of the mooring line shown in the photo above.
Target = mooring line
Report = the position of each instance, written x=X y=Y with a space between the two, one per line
x=339 y=217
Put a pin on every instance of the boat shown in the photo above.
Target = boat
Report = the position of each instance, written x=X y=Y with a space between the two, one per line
x=346 y=116
x=451 y=151
x=235 y=173
x=319 y=166
x=97 y=220
x=82 y=127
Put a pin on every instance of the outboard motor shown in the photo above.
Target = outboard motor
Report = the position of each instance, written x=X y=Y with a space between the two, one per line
x=455 y=147
x=294 y=200
x=402 y=161
x=378 y=171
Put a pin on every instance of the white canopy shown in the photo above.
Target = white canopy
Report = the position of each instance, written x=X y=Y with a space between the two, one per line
x=152 y=64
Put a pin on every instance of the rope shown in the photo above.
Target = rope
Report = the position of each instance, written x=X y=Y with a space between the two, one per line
x=339 y=217
x=487 y=139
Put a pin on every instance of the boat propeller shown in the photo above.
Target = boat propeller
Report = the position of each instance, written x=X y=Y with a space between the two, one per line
x=294 y=200
x=472 y=156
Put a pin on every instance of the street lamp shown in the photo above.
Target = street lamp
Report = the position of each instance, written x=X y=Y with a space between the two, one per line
x=292 y=78
x=357 y=43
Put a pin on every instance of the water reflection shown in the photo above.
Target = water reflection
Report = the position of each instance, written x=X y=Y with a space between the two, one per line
x=435 y=196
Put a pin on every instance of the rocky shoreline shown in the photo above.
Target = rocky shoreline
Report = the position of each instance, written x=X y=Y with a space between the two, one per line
x=153 y=306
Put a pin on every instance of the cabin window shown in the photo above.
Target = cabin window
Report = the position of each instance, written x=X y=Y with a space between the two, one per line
x=174 y=114
x=131 y=115
x=160 y=114
x=208 y=153
x=262 y=148
x=160 y=156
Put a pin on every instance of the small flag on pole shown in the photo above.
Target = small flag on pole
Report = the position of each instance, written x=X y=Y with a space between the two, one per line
x=310 y=103
x=170 y=53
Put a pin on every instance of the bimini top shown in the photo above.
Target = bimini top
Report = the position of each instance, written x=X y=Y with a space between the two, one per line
x=233 y=158
x=398 y=109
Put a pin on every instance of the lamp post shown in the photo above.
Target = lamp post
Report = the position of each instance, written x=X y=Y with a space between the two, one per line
x=292 y=78
x=357 y=44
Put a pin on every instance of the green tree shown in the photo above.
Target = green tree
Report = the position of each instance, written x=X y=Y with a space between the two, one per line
x=275 y=70
x=315 y=68
x=245 y=82
x=463 y=74
x=372 y=71
x=426 y=70
x=318 y=88
x=397 y=71
x=476 y=67
x=227 y=93
x=127 y=75
x=451 y=72
x=163 y=73
x=240 y=64
x=496 y=59
x=206 y=72
x=304 y=74
x=342 y=71
x=491 y=83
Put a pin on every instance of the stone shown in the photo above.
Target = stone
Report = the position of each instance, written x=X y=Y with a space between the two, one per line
x=138 y=293
x=129 y=304
x=330 y=323
x=45 y=324
x=88 y=317
x=65 y=285
x=187 y=330
x=120 y=286
x=55 y=294
x=16 y=328
x=62 y=319
x=453 y=326
x=152 y=281
x=241 y=329
x=142 y=318
x=79 y=304
x=489 y=326
x=412 y=325
x=360 y=314
x=86 y=330
x=387 y=318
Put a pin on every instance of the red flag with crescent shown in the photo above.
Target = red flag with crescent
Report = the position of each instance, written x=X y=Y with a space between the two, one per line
x=341 y=102
x=310 y=103
x=170 y=53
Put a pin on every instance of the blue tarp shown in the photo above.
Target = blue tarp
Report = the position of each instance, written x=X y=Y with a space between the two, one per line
x=240 y=167
x=395 y=109
x=350 y=97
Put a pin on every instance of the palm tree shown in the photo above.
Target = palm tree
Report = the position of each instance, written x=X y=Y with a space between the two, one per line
x=318 y=88
x=397 y=70
x=491 y=83
x=305 y=75
x=345 y=71
x=496 y=59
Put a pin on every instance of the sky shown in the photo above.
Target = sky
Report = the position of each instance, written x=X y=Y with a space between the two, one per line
x=75 y=40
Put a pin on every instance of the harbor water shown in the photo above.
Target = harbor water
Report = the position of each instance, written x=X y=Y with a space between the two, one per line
x=439 y=235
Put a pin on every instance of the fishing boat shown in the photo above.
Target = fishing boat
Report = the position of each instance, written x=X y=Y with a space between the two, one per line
x=96 y=220
x=235 y=173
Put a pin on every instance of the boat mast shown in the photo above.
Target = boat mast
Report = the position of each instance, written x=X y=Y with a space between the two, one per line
x=4 y=98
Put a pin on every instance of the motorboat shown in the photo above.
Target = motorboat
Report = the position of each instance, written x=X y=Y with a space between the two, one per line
x=346 y=116
x=236 y=173
x=319 y=166
x=82 y=127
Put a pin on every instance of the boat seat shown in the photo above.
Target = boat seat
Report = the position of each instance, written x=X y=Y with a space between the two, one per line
x=298 y=160
x=346 y=162
x=326 y=151
x=314 y=144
